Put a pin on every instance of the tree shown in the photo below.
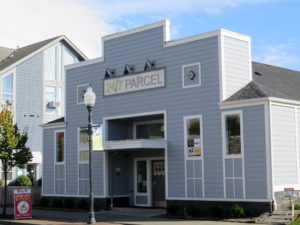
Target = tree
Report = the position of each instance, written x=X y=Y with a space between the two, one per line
x=13 y=150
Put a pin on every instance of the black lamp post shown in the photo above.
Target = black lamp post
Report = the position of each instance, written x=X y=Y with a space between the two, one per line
x=89 y=101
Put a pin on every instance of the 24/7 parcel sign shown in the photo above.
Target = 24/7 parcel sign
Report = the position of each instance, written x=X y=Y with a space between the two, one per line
x=135 y=82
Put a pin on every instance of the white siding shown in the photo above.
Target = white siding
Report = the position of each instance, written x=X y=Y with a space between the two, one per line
x=284 y=146
x=236 y=65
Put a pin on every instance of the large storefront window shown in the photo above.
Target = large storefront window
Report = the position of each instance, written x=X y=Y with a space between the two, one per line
x=233 y=134
x=193 y=142
x=7 y=86
x=60 y=139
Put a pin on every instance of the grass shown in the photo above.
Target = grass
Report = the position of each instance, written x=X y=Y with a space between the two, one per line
x=296 y=222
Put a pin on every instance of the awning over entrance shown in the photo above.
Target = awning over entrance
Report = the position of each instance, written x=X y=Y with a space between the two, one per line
x=158 y=143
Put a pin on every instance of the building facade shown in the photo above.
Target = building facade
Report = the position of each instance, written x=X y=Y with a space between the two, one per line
x=32 y=85
x=183 y=121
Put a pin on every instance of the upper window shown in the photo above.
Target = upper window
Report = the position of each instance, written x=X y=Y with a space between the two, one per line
x=233 y=135
x=149 y=129
x=60 y=146
x=191 y=75
x=8 y=86
x=193 y=136
x=50 y=63
x=69 y=57
x=55 y=59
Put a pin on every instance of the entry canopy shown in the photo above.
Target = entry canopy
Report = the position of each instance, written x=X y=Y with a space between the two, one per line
x=158 y=143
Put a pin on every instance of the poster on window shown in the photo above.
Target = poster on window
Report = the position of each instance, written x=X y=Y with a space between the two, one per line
x=22 y=204
x=194 y=147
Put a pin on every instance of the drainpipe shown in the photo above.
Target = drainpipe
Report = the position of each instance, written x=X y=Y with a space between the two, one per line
x=110 y=179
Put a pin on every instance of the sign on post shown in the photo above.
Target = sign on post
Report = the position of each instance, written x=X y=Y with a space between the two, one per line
x=288 y=192
x=22 y=204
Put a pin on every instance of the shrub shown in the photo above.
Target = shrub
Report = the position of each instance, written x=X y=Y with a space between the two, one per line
x=68 y=203
x=172 y=209
x=57 y=203
x=44 y=202
x=23 y=180
x=237 y=211
x=192 y=210
x=1 y=182
x=83 y=204
x=215 y=210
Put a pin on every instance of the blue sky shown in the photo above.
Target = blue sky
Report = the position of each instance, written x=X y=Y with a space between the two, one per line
x=272 y=24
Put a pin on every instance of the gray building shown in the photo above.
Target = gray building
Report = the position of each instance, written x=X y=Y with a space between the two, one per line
x=183 y=121
x=32 y=84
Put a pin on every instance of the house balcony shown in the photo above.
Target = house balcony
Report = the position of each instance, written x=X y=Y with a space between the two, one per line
x=135 y=132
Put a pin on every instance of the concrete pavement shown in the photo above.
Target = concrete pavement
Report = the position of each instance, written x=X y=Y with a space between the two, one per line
x=106 y=218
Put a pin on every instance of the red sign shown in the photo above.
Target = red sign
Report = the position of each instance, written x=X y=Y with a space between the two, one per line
x=22 y=204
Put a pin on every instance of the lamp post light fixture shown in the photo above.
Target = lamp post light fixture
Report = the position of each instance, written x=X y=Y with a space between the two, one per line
x=89 y=101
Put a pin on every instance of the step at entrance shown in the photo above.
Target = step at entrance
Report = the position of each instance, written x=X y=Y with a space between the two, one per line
x=143 y=212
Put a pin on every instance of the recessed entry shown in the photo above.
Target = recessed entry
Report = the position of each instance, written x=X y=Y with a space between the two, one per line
x=191 y=75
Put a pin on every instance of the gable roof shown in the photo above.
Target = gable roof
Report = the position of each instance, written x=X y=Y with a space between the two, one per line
x=21 y=53
x=270 y=81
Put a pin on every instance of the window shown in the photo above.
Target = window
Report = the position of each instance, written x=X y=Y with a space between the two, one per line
x=233 y=134
x=50 y=64
x=69 y=57
x=50 y=96
x=83 y=145
x=55 y=59
x=191 y=75
x=81 y=89
x=149 y=129
x=142 y=176
x=7 y=86
x=60 y=147
x=193 y=136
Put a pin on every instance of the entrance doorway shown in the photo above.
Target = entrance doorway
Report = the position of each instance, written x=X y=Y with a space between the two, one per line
x=149 y=179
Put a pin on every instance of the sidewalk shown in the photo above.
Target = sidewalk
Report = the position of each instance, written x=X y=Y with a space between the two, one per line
x=103 y=218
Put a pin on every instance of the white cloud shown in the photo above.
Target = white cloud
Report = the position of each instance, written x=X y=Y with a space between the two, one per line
x=26 y=22
x=283 y=55
x=85 y=21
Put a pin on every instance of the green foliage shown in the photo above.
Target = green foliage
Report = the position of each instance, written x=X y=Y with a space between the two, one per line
x=297 y=206
x=192 y=210
x=44 y=202
x=69 y=203
x=1 y=182
x=13 y=150
x=23 y=180
x=215 y=210
x=57 y=203
x=83 y=204
x=172 y=209
x=237 y=211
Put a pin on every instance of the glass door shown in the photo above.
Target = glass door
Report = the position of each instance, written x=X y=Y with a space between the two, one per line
x=142 y=183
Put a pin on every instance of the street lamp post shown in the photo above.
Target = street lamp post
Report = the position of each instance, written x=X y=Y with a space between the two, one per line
x=89 y=101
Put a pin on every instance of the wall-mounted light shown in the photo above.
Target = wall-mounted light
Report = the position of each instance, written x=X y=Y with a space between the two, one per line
x=191 y=75
x=149 y=65
x=128 y=69
x=109 y=73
